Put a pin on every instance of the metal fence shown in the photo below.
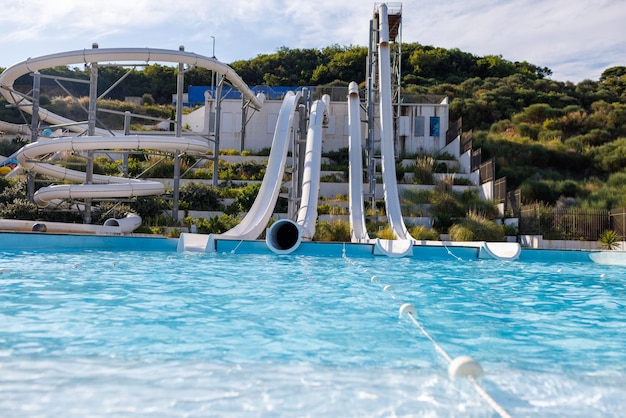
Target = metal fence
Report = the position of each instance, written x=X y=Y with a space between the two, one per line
x=618 y=222
x=513 y=202
x=487 y=171
x=476 y=159
x=466 y=141
x=563 y=223
x=455 y=129
x=499 y=190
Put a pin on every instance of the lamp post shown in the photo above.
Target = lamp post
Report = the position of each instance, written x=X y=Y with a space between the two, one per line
x=213 y=72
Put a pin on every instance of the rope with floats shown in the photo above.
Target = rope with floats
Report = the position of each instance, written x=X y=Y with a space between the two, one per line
x=459 y=367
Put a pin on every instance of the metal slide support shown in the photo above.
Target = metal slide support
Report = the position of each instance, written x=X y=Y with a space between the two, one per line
x=298 y=154
x=30 y=181
x=178 y=127
x=91 y=130
x=218 y=118
x=126 y=132
x=244 y=114
x=372 y=59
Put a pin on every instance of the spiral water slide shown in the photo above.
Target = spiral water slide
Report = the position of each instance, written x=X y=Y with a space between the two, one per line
x=116 y=55
x=102 y=186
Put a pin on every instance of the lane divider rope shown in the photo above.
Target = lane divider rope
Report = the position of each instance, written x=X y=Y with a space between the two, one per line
x=462 y=366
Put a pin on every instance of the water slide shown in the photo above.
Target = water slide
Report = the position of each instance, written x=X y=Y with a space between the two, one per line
x=391 y=248
x=307 y=213
x=117 y=55
x=358 y=229
x=611 y=258
x=257 y=218
x=403 y=244
x=261 y=211
x=102 y=186
x=14 y=128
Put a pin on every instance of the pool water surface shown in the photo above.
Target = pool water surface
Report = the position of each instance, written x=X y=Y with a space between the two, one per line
x=105 y=333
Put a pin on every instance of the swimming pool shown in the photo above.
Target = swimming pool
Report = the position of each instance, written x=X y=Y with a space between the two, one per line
x=159 y=333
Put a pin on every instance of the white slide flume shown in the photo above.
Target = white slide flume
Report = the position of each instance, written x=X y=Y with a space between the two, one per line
x=403 y=244
x=257 y=218
x=388 y=162
x=255 y=221
x=307 y=213
x=355 y=179
x=101 y=186
x=104 y=55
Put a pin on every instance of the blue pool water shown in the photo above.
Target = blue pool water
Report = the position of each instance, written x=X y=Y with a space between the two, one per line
x=165 y=334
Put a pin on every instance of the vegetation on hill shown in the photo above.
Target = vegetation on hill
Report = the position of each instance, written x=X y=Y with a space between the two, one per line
x=556 y=141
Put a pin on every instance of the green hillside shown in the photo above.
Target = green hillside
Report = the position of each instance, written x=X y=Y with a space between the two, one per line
x=556 y=141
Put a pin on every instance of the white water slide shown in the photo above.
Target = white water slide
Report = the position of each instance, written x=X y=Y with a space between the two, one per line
x=307 y=213
x=255 y=221
x=105 y=55
x=102 y=186
x=285 y=235
x=355 y=179
x=403 y=245
x=257 y=218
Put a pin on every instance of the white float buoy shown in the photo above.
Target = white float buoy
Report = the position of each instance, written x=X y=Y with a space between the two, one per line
x=388 y=287
x=407 y=309
x=374 y=278
x=464 y=366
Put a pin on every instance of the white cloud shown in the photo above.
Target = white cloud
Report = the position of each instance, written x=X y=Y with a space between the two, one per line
x=575 y=39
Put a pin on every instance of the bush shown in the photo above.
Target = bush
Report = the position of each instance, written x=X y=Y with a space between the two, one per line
x=338 y=231
x=199 y=197
x=213 y=225
x=420 y=232
x=609 y=240
x=19 y=209
x=476 y=228
x=149 y=206
x=423 y=169
x=537 y=191
x=385 y=233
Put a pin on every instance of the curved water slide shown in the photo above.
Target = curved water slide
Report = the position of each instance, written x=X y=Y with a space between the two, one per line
x=307 y=213
x=355 y=178
x=255 y=221
x=102 y=186
x=403 y=244
x=117 y=55
x=282 y=237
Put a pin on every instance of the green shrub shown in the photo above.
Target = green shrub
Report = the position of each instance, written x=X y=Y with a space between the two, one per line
x=609 y=240
x=213 y=225
x=421 y=232
x=19 y=209
x=338 y=231
x=385 y=233
x=476 y=227
x=200 y=197
x=423 y=169
x=149 y=206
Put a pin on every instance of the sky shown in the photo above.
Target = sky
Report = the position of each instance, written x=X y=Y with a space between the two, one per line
x=576 y=39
